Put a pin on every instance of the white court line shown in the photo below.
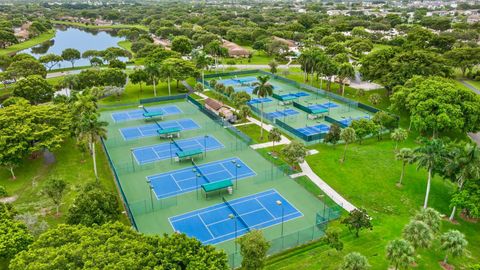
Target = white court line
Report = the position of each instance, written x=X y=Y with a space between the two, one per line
x=266 y=209
x=208 y=229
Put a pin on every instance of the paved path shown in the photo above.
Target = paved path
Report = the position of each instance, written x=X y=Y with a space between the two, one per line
x=329 y=191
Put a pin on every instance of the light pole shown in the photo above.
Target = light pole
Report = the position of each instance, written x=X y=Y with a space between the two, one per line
x=236 y=172
x=149 y=183
x=231 y=216
x=171 y=156
x=196 y=180
x=279 y=203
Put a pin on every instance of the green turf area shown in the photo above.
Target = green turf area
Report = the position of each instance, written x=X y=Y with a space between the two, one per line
x=367 y=179
x=253 y=131
x=133 y=92
x=126 y=44
x=259 y=57
x=114 y=26
x=133 y=177
x=70 y=165
x=29 y=43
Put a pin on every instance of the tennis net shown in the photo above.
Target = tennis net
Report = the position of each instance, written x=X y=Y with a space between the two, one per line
x=199 y=171
x=176 y=144
x=235 y=213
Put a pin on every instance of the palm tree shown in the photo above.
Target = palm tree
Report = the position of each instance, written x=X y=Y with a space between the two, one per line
x=348 y=135
x=427 y=156
x=215 y=48
x=167 y=70
x=274 y=136
x=429 y=216
x=400 y=253
x=262 y=89
x=91 y=131
x=355 y=261
x=399 y=135
x=321 y=65
x=463 y=164
x=202 y=62
x=454 y=243
x=244 y=111
x=406 y=156
x=345 y=71
x=418 y=234
x=153 y=71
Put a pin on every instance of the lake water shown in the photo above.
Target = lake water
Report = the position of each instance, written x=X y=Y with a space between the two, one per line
x=80 y=39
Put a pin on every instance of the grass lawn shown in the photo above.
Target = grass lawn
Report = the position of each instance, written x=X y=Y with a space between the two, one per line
x=258 y=58
x=115 y=26
x=29 y=43
x=367 y=179
x=126 y=44
x=70 y=165
x=133 y=92
x=253 y=131
x=377 y=47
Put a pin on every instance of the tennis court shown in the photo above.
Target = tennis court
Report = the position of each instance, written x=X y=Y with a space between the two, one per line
x=181 y=181
x=348 y=121
x=259 y=100
x=312 y=130
x=326 y=105
x=150 y=130
x=213 y=225
x=138 y=113
x=168 y=150
x=284 y=113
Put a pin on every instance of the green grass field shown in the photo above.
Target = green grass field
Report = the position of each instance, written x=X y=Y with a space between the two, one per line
x=126 y=44
x=29 y=43
x=367 y=179
x=70 y=165
x=253 y=131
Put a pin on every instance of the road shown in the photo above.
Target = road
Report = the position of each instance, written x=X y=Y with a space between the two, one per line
x=473 y=136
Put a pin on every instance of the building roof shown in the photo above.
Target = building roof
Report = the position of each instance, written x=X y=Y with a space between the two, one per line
x=235 y=49
x=213 y=104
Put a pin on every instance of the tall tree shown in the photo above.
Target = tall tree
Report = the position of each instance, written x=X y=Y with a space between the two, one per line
x=91 y=130
x=138 y=76
x=71 y=55
x=273 y=66
x=253 y=247
x=345 y=71
x=399 y=135
x=357 y=220
x=262 y=88
x=462 y=164
x=34 y=89
x=294 y=152
x=24 y=68
x=333 y=135
x=14 y=235
x=202 y=62
x=400 y=253
x=453 y=243
x=406 y=156
x=50 y=60
x=348 y=136
x=153 y=71
x=182 y=44
x=428 y=156
x=274 y=135
x=54 y=189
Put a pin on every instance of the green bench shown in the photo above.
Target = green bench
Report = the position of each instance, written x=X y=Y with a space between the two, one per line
x=187 y=154
x=169 y=132
x=216 y=186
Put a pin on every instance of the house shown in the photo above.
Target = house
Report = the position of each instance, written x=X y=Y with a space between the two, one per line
x=219 y=109
x=162 y=42
x=235 y=50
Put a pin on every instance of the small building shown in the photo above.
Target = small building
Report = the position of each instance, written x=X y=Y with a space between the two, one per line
x=235 y=50
x=219 y=109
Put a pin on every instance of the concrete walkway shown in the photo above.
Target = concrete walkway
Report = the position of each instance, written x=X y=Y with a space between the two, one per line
x=329 y=191
x=473 y=136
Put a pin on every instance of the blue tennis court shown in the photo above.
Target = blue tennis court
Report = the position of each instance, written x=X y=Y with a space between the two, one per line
x=312 y=130
x=348 y=121
x=326 y=105
x=294 y=95
x=138 y=113
x=150 y=130
x=181 y=181
x=212 y=225
x=278 y=114
x=259 y=100
x=168 y=150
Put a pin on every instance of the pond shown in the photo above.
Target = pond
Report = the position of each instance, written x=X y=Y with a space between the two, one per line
x=80 y=39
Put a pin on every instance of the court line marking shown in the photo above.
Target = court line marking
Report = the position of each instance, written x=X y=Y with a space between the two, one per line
x=206 y=227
